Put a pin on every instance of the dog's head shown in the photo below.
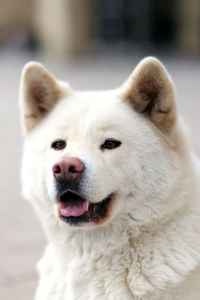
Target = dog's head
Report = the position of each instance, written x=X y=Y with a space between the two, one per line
x=92 y=157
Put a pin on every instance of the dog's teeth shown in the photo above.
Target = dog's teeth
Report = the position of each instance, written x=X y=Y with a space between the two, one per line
x=87 y=205
x=58 y=212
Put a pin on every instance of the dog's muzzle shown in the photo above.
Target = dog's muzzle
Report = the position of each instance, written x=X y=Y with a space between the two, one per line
x=72 y=206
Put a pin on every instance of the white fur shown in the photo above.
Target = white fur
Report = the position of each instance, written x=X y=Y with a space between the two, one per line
x=149 y=248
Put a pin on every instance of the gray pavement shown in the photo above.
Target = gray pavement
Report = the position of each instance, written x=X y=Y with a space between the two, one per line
x=22 y=239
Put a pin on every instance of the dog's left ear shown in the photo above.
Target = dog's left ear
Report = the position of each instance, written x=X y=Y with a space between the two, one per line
x=150 y=90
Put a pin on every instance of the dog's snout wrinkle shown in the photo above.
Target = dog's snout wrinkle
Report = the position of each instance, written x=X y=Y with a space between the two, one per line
x=65 y=185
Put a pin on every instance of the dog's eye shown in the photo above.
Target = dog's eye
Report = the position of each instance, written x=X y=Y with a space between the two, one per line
x=58 y=145
x=110 y=144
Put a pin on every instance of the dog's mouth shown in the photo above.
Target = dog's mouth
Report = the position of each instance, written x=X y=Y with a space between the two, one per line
x=73 y=209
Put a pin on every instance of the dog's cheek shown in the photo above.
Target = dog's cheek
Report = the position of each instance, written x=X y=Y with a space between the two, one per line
x=34 y=170
x=51 y=186
x=32 y=177
x=100 y=183
x=107 y=175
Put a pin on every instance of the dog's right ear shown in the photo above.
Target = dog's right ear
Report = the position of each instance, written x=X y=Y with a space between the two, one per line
x=39 y=92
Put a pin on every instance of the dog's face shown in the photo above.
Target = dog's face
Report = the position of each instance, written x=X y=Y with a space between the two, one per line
x=91 y=157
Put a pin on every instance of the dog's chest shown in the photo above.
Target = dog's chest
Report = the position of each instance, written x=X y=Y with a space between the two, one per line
x=99 y=279
x=113 y=277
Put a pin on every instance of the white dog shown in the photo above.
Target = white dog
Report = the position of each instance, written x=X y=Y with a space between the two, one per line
x=116 y=187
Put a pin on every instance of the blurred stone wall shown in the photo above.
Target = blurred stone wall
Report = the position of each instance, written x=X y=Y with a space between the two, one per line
x=66 y=27
x=15 y=15
x=63 y=26
x=188 y=25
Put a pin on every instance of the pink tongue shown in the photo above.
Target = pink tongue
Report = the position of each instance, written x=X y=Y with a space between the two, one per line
x=68 y=209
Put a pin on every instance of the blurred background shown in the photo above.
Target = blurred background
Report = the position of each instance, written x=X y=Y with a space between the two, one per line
x=93 y=44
